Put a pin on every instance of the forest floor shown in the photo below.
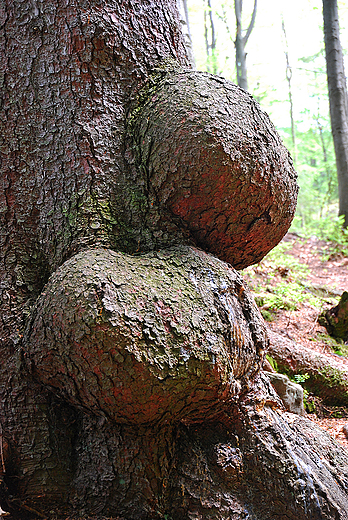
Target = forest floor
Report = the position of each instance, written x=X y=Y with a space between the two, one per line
x=292 y=286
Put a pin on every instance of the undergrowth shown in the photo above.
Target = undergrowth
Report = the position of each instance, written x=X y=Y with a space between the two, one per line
x=337 y=345
x=330 y=229
x=279 y=283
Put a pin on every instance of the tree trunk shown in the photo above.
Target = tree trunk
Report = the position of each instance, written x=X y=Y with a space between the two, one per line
x=210 y=38
x=184 y=20
x=288 y=78
x=335 y=320
x=338 y=100
x=240 y=43
x=130 y=358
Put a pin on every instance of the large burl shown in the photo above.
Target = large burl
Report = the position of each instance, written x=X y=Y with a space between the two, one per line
x=159 y=353
x=130 y=383
x=214 y=162
x=165 y=347
x=175 y=334
x=160 y=337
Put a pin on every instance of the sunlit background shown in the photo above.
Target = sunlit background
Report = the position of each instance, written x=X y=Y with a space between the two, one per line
x=281 y=27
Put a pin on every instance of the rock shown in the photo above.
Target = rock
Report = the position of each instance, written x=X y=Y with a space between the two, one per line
x=345 y=430
x=290 y=393
x=335 y=320
x=328 y=376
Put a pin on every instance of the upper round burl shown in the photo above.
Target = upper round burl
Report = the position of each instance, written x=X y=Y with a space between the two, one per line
x=216 y=164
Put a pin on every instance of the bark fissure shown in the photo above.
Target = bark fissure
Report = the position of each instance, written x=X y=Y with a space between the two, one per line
x=125 y=379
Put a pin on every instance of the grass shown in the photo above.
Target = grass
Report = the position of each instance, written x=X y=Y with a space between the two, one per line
x=337 y=345
x=279 y=283
x=330 y=229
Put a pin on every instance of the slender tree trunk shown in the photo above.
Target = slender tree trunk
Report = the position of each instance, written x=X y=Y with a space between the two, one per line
x=239 y=46
x=240 y=43
x=328 y=171
x=288 y=78
x=338 y=100
x=184 y=19
x=210 y=38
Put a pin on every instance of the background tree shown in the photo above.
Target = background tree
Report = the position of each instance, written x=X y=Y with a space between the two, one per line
x=130 y=379
x=336 y=79
x=241 y=41
x=210 y=37
x=288 y=77
x=184 y=19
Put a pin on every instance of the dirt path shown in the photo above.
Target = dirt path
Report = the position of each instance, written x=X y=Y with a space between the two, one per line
x=325 y=276
x=327 y=269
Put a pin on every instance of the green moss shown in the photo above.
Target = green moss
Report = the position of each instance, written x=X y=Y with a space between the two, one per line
x=309 y=404
x=337 y=345
x=333 y=378
x=272 y=362
x=267 y=315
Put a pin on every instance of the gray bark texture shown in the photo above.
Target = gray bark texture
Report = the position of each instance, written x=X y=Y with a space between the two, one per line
x=336 y=79
x=215 y=164
x=146 y=339
x=241 y=41
x=130 y=382
x=185 y=23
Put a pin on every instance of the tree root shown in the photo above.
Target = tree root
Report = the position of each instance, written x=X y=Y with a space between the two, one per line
x=328 y=372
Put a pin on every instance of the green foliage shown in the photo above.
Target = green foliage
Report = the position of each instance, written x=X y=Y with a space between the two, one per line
x=272 y=362
x=278 y=259
x=317 y=205
x=279 y=282
x=314 y=153
x=296 y=378
x=328 y=228
x=267 y=315
x=272 y=301
x=337 y=345
x=301 y=378
x=333 y=377
x=306 y=403
x=309 y=404
x=332 y=229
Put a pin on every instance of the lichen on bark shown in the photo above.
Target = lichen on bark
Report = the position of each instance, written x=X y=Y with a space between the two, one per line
x=167 y=336
x=213 y=162
x=129 y=383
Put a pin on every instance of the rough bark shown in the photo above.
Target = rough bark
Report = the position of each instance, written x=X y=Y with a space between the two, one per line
x=335 y=320
x=129 y=383
x=336 y=79
x=146 y=339
x=328 y=372
x=215 y=163
x=67 y=72
x=231 y=471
